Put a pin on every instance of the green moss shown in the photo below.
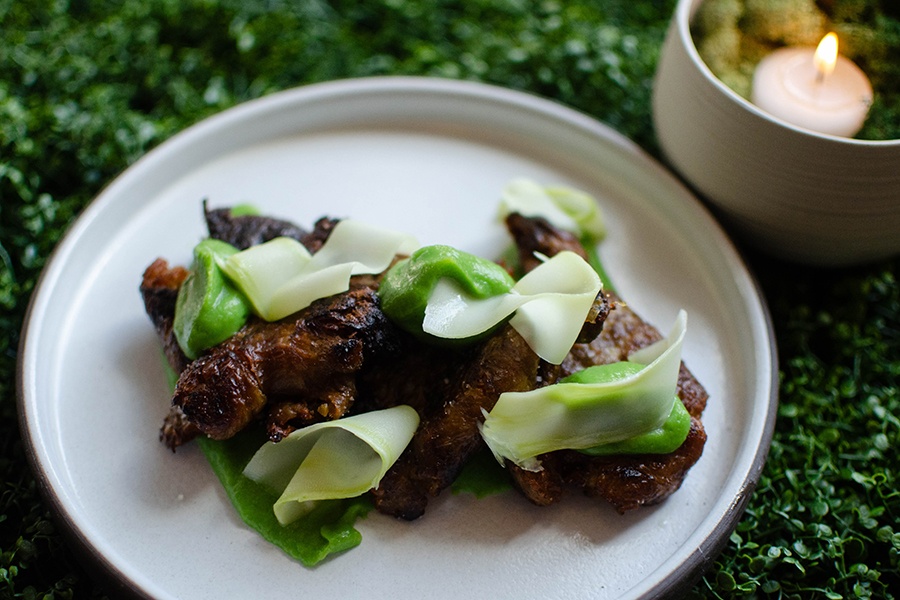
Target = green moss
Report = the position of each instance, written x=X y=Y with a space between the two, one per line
x=732 y=36
x=784 y=22
x=722 y=14
x=721 y=49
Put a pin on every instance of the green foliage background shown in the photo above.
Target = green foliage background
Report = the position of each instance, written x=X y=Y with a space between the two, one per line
x=88 y=86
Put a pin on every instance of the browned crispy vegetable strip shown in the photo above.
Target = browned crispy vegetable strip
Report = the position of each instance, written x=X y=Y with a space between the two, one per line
x=448 y=434
x=159 y=291
x=306 y=365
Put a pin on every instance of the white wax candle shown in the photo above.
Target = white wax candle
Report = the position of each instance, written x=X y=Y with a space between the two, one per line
x=790 y=85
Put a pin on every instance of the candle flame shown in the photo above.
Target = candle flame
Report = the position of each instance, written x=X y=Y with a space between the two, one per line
x=826 y=55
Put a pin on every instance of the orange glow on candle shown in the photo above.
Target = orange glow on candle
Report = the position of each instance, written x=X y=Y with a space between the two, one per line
x=826 y=55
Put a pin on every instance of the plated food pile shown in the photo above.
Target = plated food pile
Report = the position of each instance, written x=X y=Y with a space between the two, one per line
x=378 y=369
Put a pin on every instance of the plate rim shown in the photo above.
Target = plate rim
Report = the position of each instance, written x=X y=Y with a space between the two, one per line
x=679 y=580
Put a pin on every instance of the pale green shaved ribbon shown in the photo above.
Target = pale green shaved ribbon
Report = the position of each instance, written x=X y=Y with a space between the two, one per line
x=550 y=304
x=281 y=277
x=334 y=459
x=524 y=425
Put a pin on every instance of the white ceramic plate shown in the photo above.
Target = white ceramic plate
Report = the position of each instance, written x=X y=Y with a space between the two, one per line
x=428 y=157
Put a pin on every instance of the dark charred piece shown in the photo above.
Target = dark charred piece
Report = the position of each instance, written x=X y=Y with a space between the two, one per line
x=159 y=291
x=536 y=235
x=177 y=429
x=626 y=482
x=300 y=370
x=243 y=231
x=290 y=373
x=629 y=482
x=321 y=230
x=596 y=317
x=448 y=434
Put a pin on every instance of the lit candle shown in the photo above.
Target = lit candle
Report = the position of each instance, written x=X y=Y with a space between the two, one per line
x=816 y=89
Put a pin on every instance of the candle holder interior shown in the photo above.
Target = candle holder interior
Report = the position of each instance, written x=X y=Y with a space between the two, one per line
x=734 y=36
x=790 y=191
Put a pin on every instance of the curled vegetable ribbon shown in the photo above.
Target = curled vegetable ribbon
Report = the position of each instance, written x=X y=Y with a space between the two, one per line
x=524 y=425
x=281 y=277
x=331 y=460
x=550 y=305
x=564 y=207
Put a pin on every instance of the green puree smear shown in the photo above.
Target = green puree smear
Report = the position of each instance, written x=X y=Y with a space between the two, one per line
x=482 y=476
x=327 y=529
x=407 y=287
x=661 y=440
x=209 y=309
x=330 y=527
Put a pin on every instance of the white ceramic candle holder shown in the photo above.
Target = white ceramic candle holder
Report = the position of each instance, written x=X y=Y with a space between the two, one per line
x=792 y=192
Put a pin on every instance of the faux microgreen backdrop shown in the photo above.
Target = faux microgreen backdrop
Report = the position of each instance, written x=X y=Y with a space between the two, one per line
x=88 y=86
